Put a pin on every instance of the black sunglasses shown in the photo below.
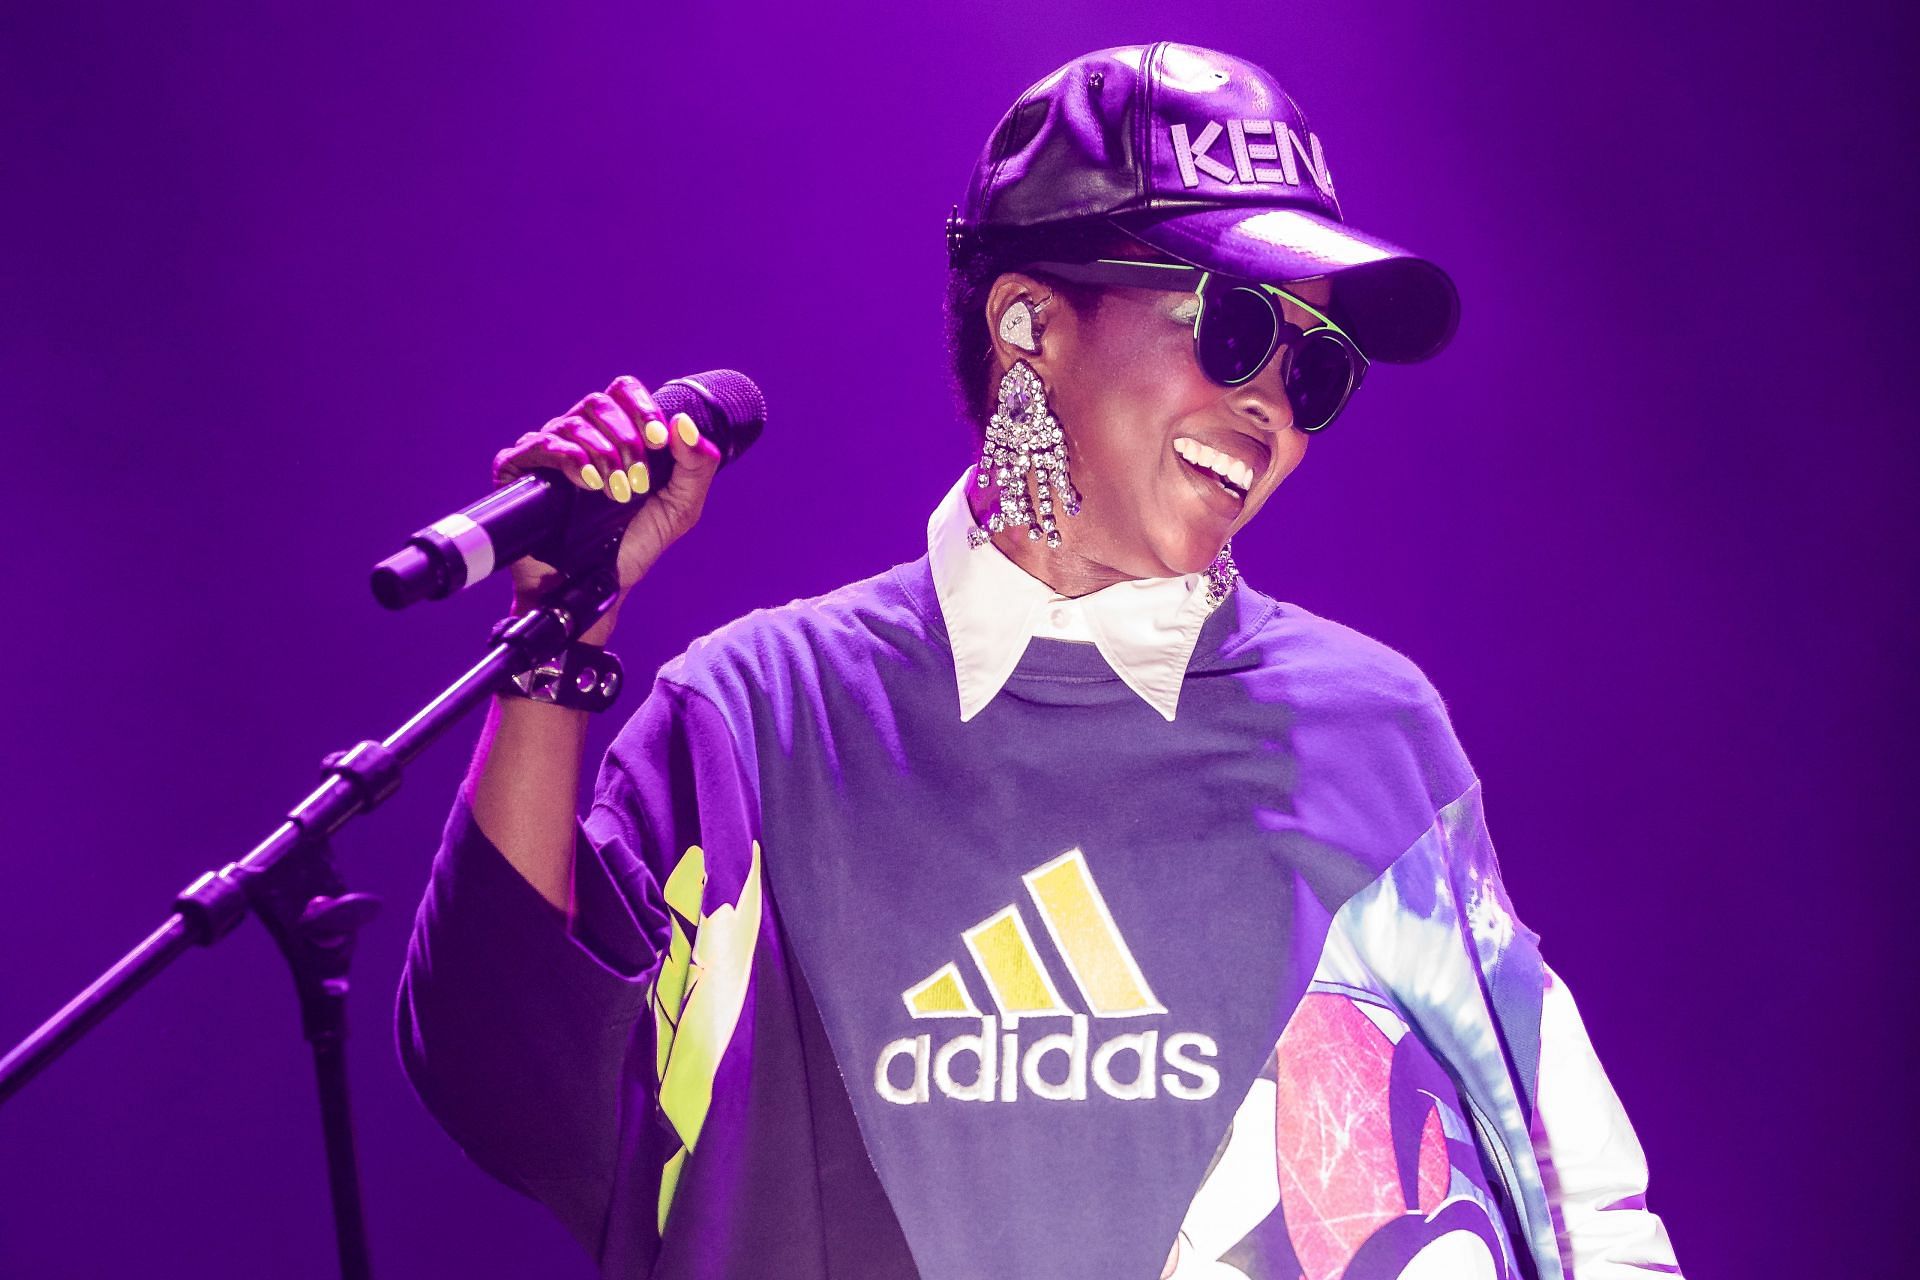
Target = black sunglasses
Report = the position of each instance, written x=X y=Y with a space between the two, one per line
x=1238 y=329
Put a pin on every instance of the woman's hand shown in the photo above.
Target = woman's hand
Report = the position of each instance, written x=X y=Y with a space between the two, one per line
x=526 y=771
x=603 y=443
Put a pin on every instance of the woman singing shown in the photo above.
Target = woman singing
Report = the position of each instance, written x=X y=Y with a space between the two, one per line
x=1055 y=904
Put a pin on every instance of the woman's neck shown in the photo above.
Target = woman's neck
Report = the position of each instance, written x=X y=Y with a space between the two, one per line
x=1064 y=569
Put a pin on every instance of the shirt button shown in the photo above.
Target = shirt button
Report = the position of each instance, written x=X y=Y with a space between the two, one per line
x=1060 y=616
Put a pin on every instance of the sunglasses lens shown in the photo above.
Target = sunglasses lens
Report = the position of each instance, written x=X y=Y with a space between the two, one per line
x=1237 y=333
x=1320 y=376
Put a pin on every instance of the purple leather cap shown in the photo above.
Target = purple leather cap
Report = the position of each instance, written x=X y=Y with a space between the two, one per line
x=1205 y=158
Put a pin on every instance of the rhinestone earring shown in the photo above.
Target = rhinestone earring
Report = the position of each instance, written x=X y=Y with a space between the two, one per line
x=1220 y=575
x=1024 y=443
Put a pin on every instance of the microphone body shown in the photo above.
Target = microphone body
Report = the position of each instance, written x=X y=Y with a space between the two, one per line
x=546 y=515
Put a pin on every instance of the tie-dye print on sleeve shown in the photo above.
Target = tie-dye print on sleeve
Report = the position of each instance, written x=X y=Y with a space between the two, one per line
x=1591 y=1160
x=1506 y=952
x=1591 y=1170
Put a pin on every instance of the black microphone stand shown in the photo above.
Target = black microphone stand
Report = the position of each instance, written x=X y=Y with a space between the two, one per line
x=291 y=881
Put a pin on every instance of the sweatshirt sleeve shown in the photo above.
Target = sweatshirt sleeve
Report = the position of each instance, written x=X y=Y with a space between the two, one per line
x=518 y=1023
x=1590 y=1159
x=1592 y=1175
x=1470 y=974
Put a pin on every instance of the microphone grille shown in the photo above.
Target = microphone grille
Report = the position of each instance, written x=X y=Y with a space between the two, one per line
x=725 y=404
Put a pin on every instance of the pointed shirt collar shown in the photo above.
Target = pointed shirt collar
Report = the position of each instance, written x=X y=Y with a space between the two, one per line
x=1145 y=628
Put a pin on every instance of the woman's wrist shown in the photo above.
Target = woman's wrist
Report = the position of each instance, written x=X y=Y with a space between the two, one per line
x=602 y=627
x=596 y=634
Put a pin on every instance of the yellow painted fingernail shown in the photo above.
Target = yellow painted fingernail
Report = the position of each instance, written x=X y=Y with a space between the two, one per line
x=656 y=433
x=637 y=473
x=617 y=486
x=689 y=434
x=590 y=477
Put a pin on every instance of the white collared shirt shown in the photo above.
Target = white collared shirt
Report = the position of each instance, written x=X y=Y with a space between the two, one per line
x=1145 y=628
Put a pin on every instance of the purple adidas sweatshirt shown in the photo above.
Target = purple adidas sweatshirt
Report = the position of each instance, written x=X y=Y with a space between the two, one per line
x=854 y=989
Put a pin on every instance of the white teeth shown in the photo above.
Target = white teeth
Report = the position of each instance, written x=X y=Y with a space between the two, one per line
x=1212 y=459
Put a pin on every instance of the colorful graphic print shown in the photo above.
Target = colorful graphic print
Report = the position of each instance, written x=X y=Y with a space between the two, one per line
x=697 y=997
x=1349 y=1159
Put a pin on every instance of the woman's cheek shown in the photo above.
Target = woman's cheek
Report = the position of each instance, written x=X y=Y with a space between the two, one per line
x=1160 y=369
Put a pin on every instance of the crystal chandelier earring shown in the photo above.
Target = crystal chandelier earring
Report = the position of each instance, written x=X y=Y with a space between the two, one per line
x=1024 y=444
x=1221 y=575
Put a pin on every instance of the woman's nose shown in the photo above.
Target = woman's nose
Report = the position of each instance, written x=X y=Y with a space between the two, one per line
x=1263 y=400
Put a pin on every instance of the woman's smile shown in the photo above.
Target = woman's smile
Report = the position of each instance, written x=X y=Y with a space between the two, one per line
x=1210 y=479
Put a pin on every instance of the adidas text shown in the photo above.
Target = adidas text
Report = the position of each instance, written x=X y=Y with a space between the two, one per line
x=993 y=1065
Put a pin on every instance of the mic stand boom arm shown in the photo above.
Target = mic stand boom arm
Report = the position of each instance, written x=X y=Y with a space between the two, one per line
x=291 y=882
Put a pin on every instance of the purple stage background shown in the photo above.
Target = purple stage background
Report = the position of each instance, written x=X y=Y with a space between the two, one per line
x=277 y=285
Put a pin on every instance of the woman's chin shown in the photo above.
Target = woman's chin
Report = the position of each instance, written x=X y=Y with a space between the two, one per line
x=1191 y=553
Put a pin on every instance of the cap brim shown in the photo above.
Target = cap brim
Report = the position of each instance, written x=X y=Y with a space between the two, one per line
x=1398 y=306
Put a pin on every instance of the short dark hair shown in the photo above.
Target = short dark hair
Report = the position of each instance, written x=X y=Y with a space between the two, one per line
x=982 y=261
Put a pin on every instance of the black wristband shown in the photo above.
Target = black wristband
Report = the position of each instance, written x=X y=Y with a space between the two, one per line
x=584 y=677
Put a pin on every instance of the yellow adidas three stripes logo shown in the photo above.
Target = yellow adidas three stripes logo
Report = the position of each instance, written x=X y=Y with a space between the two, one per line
x=1018 y=985
x=1082 y=929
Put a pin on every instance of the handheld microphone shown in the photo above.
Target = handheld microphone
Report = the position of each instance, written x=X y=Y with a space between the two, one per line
x=546 y=515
